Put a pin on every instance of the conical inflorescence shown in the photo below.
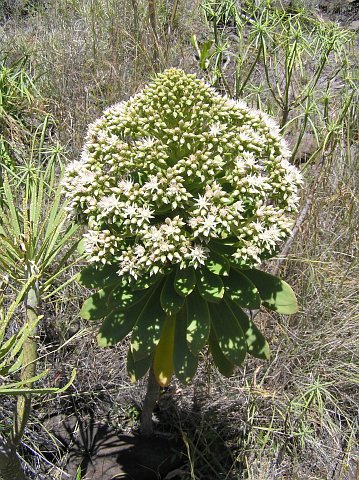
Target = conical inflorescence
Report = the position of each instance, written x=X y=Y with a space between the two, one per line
x=184 y=192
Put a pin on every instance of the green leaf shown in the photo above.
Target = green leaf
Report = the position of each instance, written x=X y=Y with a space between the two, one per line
x=16 y=365
x=7 y=346
x=198 y=322
x=224 y=366
x=98 y=276
x=171 y=301
x=119 y=323
x=81 y=246
x=185 y=363
x=137 y=370
x=241 y=290
x=18 y=389
x=147 y=281
x=223 y=247
x=123 y=296
x=185 y=281
x=276 y=294
x=229 y=333
x=13 y=211
x=257 y=345
x=147 y=331
x=97 y=306
x=210 y=286
x=217 y=264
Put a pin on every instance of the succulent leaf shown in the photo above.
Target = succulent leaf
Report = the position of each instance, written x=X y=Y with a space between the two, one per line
x=229 y=333
x=225 y=366
x=275 y=293
x=217 y=264
x=185 y=281
x=137 y=370
x=119 y=323
x=171 y=301
x=97 y=275
x=241 y=290
x=163 y=356
x=96 y=306
x=147 y=331
x=198 y=322
x=185 y=363
x=257 y=345
x=209 y=285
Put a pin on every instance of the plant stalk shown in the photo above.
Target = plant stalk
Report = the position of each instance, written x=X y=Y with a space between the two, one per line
x=153 y=22
x=23 y=405
x=152 y=394
x=10 y=465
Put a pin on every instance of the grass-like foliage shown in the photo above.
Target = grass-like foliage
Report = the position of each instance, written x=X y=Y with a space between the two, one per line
x=19 y=109
x=36 y=244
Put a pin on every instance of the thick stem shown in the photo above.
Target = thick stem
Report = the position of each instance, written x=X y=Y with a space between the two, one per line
x=29 y=368
x=152 y=394
x=10 y=465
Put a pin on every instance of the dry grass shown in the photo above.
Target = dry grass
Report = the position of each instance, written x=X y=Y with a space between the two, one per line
x=292 y=418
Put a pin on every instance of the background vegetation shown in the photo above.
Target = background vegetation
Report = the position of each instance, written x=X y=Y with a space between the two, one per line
x=61 y=63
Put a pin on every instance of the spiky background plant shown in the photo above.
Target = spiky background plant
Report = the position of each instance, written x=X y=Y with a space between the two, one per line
x=35 y=247
x=184 y=192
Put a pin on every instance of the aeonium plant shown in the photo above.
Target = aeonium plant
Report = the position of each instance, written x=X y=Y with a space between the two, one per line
x=184 y=192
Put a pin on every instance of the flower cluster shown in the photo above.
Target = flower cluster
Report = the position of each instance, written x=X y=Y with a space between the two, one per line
x=176 y=167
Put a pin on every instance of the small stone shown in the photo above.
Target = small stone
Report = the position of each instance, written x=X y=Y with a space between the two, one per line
x=354 y=26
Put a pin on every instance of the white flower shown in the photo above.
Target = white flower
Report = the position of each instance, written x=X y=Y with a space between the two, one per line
x=197 y=255
x=148 y=142
x=125 y=186
x=153 y=183
x=207 y=226
x=270 y=236
x=145 y=214
x=256 y=181
x=176 y=164
x=216 y=129
x=238 y=207
x=109 y=204
x=202 y=203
